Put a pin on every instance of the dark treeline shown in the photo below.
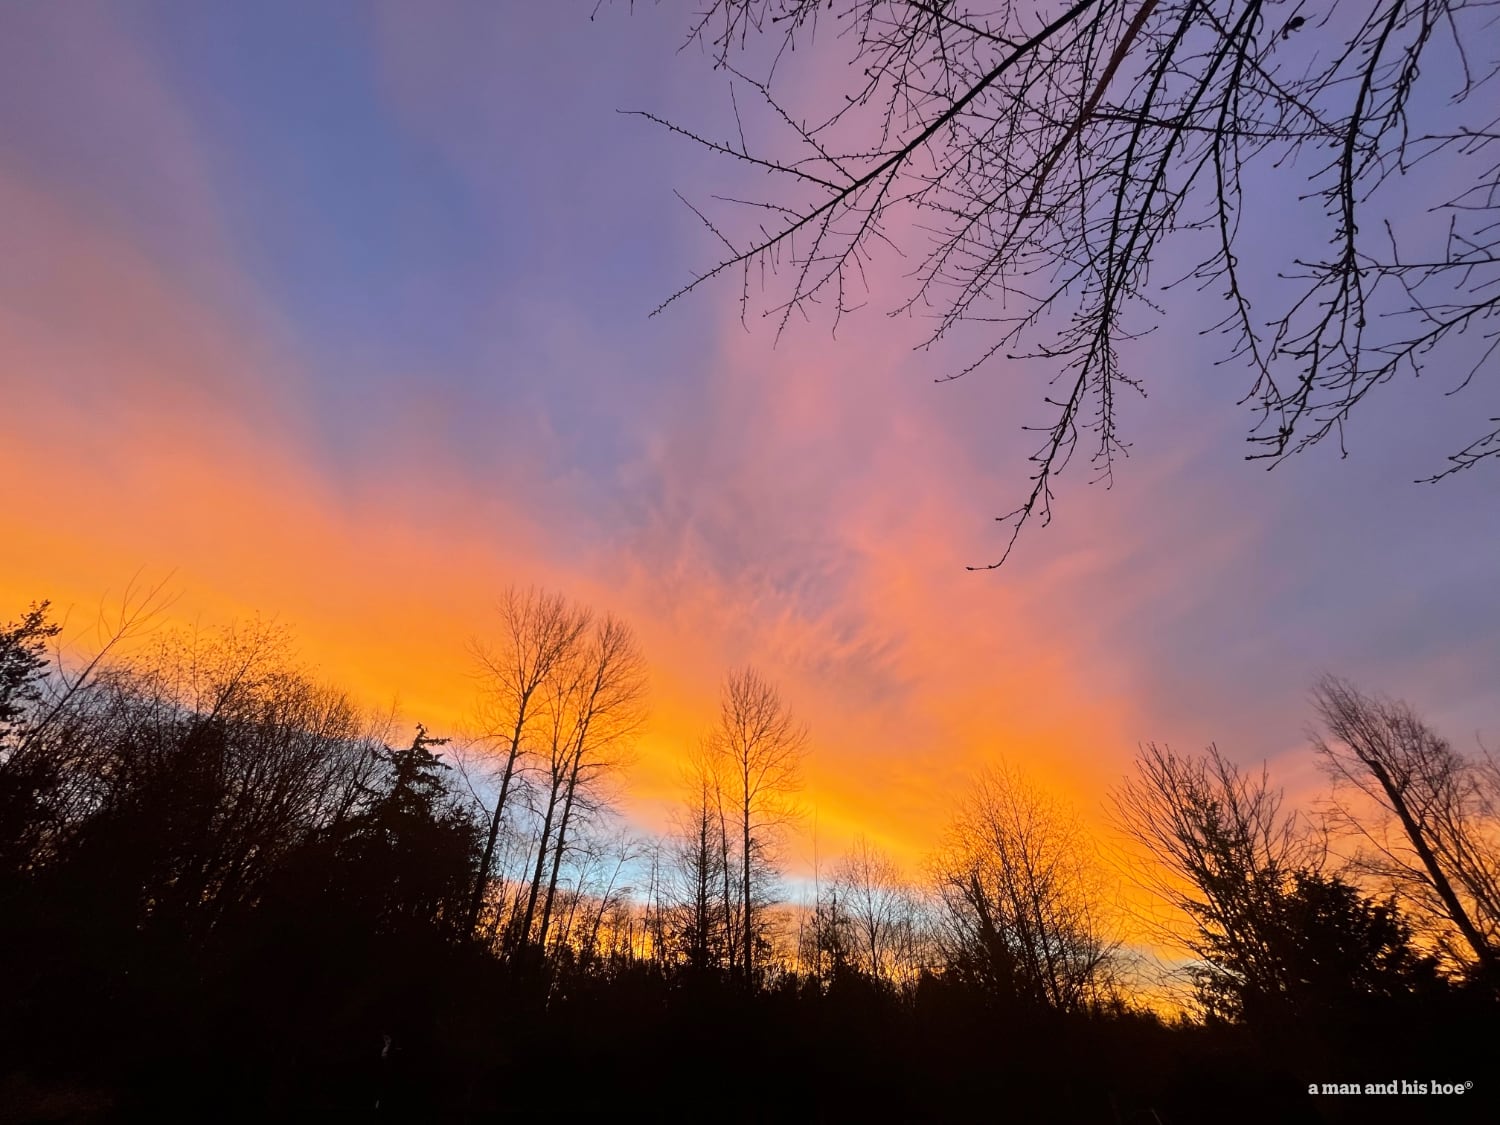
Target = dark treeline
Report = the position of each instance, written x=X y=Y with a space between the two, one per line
x=229 y=894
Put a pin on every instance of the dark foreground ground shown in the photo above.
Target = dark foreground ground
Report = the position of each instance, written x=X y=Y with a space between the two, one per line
x=472 y=1043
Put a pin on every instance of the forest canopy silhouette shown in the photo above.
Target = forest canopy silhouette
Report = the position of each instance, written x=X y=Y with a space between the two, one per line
x=231 y=893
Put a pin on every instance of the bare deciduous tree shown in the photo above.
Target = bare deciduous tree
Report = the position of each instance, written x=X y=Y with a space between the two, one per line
x=882 y=913
x=1022 y=898
x=198 y=766
x=1220 y=849
x=1046 y=153
x=760 y=747
x=138 y=611
x=1425 y=814
x=603 y=701
x=538 y=631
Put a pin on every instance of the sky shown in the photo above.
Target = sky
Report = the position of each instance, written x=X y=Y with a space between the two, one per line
x=339 y=313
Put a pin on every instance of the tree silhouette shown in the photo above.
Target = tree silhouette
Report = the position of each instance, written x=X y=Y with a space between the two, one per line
x=23 y=779
x=233 y=882
x=1217 y=846
x=1046 y=155
x=23 y=668
x=760 y=747
x=1022 y=915
x=595 y=708
x=874 y=916
x=538 y=632
x=1428 y=818
x=698 y=927
x=410 y=854
x=1322 y=952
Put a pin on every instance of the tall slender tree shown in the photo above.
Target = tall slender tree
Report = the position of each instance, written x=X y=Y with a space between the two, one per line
x=761 y=747
x=607 y=706
x=698 y=924
x=538 y=632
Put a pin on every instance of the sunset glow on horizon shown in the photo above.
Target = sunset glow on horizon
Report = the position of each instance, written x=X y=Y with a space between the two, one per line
x=342 y=319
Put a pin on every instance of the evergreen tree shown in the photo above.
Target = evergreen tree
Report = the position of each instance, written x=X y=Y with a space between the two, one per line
x=411 y=852
x=23 y=669
x=24 y=778
x=1323 y=952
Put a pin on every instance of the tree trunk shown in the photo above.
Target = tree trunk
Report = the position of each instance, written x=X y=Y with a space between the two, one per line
x=729 y=935
x=749 y=963
x=523 y=931
x=476 y=901
x=1435 y=872
x=557 y=852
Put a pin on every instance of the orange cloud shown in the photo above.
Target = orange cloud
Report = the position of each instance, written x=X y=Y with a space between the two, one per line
x=906 y=668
